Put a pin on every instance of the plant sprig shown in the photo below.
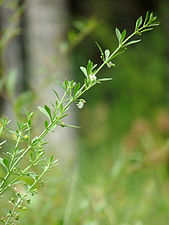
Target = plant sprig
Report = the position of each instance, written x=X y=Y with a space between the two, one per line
x=25 y=145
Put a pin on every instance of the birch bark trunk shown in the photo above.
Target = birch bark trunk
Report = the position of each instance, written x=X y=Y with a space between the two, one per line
x=47 y=21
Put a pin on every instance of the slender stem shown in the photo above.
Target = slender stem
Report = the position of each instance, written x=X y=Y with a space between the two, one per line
x=22 y=174
x=26 y=193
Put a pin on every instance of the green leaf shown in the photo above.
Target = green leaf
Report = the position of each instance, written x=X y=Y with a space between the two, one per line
x=138 y=23
x=86 y=83
x=66 y=125
x=89 y=67
x=107 y=54
x=148 y=29
x=5 y=163
x=147 y=16
x=43 y=111
x=31 y=157
x=83 y=69
x=77 y=87
x=51 y=158
x=132 y=42
x=118 y=34
x=46 y=124
x=65 y=84
x=101 y=51
x=104 y=79
x=153 y=25
x=123 y=35
x=151 y=17
x=56 y=93
x=64 y=115
x=48 y=111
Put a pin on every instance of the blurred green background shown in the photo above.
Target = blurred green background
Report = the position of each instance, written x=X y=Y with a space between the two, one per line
x=119 y=171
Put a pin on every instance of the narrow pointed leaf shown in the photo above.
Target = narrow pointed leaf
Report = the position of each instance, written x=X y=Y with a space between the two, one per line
x=5 y=163
x=77 y=87
x=153 y=25
x=123 y=35
x=139 y=22
x=133 y=42
x=71 y=126
x=101 y=51
x=118 y=34
x=83 y=69
x=65 y=84
x=89 y=67
x=147 y=16
x=56 y=93
x=46 y=124
x=48 y=111
x=104 y=79
x=43 y=111
x=148 y=29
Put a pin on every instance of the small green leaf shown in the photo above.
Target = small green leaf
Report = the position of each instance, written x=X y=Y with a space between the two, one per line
x=83 y=69
x=56 y=93
x=133 y=42
x=46 y=124
x=147 y=16
x=5 y=163
x=118 y=34
x=123 y=35
x=64 y=115
x=101 y=51
x=89 y=67
x=86 y=83
x=51 y=158
x=77 y=87
x=31 y=157
x=151 y=18
x=153 y=25
x=56 y=103
x=35 y=139
x=65 y=84
x=104 y=79
x=107 y=54
x=48 y=111
x=138 y=23
x=66 y=125
x=148 y=29
x=43 y=111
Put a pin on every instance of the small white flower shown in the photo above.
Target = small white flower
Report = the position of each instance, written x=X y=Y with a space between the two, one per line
x=93 y=77
x=110 y=64
x=81 y=103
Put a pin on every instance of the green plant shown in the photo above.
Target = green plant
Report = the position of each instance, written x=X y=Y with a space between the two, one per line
x=24 y=146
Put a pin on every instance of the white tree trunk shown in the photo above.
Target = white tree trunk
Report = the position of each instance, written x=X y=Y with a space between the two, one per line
x=47 y=21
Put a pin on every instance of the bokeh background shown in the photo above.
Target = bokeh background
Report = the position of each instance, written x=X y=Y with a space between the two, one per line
x=114 y=170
